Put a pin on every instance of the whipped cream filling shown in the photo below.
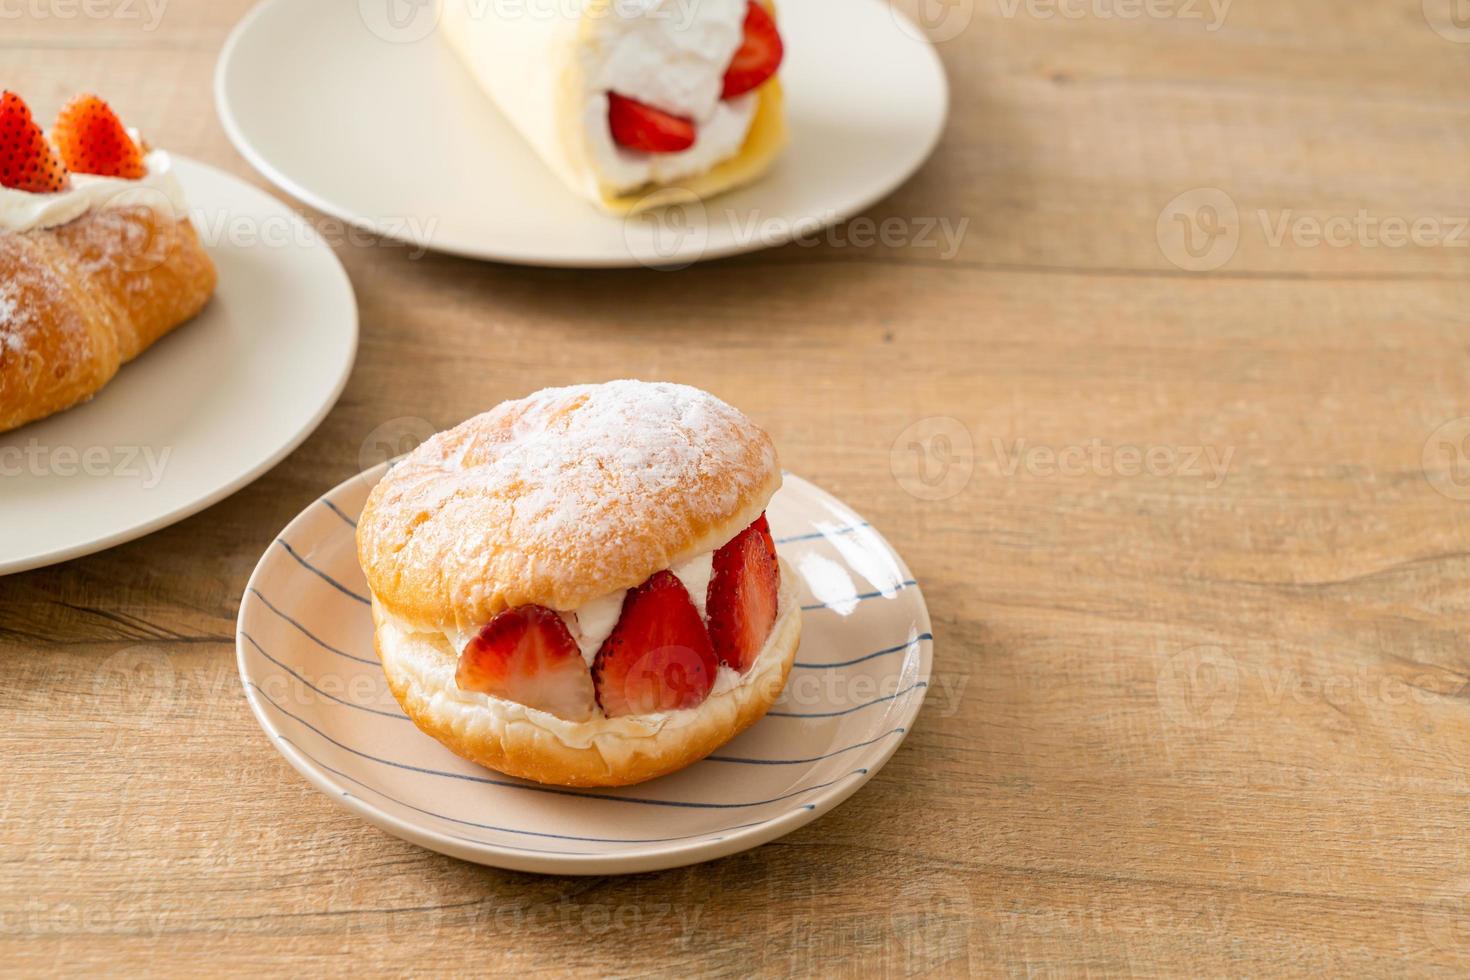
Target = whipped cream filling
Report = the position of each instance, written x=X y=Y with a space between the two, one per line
x=592 y=623
x=672 y=55
x=22 y=211
x=433 y=670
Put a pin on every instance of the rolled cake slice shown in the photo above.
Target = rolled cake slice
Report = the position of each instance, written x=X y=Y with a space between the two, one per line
x=622 y=98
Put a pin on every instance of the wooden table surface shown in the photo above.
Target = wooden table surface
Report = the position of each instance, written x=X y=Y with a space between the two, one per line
x=1175 y=441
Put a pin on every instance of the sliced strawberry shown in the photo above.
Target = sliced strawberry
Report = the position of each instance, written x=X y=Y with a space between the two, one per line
x=658 y=657
x=743 y=591
x=642 y=127
x=92 y=140
x=27 y=161
x=759 y=54
x=527 y=655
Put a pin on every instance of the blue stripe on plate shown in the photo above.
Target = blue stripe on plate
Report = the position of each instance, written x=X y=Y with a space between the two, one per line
x=402 y=717
x=518 y=848
x=844 y=711
x=555 y=791
x=321 y=574
x=309 y=634
x=885 y=593
x=331 y=697
x=816 y=535
x=880 y=653
x=339 y=512
x=797 y=762
x=533 y=833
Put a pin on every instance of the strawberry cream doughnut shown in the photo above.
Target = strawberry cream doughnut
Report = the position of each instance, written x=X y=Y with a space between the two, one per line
x=579 y=587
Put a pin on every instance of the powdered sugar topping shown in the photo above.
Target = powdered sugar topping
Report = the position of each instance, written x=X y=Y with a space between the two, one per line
x=636 y=442
x=567 y=495
x=12 y=339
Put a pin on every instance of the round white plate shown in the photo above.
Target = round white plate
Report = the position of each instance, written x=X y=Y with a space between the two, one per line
x=205 y=410
x=359 y=108
x=305 y=647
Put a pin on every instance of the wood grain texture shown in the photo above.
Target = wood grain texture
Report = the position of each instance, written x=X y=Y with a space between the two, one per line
x=1189 y=716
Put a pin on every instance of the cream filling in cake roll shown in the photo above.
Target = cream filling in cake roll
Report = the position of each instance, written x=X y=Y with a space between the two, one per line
x=549 y=66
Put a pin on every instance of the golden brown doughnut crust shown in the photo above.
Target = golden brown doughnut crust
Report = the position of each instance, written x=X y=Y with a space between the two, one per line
x=80 y=300
x=514 y=740
x=560 y=498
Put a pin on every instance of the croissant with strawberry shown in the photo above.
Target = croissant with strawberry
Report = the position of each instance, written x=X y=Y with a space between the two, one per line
x=97 y=257
x=580 y=587
x=623 y=100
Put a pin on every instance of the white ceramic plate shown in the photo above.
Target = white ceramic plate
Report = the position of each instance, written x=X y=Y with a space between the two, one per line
x=205 y=410
x=308 y=665
x=361 y=110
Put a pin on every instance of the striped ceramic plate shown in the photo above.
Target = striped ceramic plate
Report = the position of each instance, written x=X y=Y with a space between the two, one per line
x=306 y=658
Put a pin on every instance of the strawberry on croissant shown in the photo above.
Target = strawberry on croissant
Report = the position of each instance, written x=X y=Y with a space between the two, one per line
x=98 y=259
